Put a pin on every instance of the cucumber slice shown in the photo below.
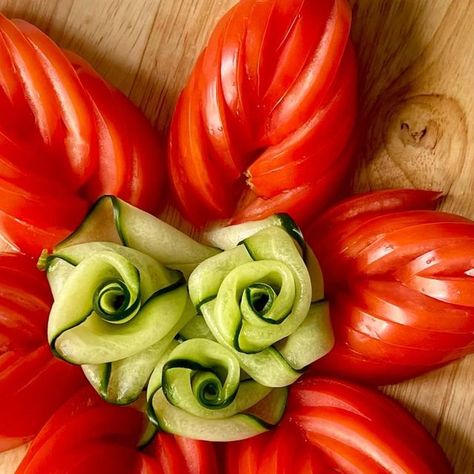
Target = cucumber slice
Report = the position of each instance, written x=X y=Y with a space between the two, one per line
x=272 y=408
x=113 y=220
x=311 y=341
x=205 y=281
x=125 y=379
x=316 y=276
x=228 y=237
x=98 y=376
x=176 y=421
x=153 y=275
x=196 y=328
x=267 y=367
x=95 y=341
x=101 y=224
x=203 y=378
x=58 y=272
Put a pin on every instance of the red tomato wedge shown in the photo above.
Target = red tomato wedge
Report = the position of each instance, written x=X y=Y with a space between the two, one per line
x=66 y=138
x=86 y=428
x=357 y=427
x=28 y=370
x=399 y=283
x=76 y=107
x=275 y=77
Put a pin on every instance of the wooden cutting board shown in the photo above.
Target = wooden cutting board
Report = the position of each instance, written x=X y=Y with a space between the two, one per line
x=416 y=62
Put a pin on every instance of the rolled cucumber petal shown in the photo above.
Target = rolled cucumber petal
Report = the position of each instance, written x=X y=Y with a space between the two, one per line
x=206 y=279
x=311 y=341
x=75 y=303
x=197 y=328
x=99 y=225
x=126 y=378
x=203 y=378
x=153 y=274
x=175 y=420
x=250 y=331
x=268 y=367
x=96 y=341
x=113 y=220
x=228 y=237
x=169 y=246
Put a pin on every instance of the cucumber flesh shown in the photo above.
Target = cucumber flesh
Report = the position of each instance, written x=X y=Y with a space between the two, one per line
x=153 y=275
x=228 y=237
x=267 y=367
x=271 y=409
x=203 y=378
x=96 y=341
x=311 y=341
x=196 y=328
x=176 y=421
x=113 y=220
x=126 y=378
x=205 y=281
x=99 y=225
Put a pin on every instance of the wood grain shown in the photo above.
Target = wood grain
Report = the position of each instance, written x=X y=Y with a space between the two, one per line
x=416 y=63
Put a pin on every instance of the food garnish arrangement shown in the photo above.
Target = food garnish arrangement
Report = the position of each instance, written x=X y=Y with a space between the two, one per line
x=128 y=346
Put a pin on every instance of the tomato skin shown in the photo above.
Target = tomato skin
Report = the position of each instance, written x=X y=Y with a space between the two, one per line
x=274 y=452
x=398 y=282
x=27 y=368
x=86 y=428
x=62 y=144
x=275 y=77
x=357 y=427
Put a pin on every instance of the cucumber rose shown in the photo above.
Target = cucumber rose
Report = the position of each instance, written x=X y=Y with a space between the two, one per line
x=115 y=312
x=260 y=300
x=198 y=391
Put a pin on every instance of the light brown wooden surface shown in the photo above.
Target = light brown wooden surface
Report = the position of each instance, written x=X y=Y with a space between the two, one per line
x=416 y=125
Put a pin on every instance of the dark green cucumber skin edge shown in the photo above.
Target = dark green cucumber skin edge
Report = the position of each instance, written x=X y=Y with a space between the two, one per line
x=150 y=411
x=188 y=364
x=294 y=231
x=177 y=284
x=104 y=384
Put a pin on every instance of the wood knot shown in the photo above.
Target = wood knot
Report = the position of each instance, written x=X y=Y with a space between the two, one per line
x=419 y=141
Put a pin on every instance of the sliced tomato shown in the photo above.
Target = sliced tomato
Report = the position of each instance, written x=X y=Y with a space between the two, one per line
x=201 y=177
x=381 y=202
x=452 y=290
x=370 y=404
x=345 y=362
x=452 y=260
x=316 y=78
x=213 y=105
x=26 y=406
x=233 y=78
x=301 y=42
x=306 y=154
x=168 y=453
x=36 y=86
x=258 y=94
x=395 y=302
x=76 y=108
x=85 y=427
x=29 y=238
x=145 y=185
x=43 y=209
x=372 y=323
x=114 y=149
x=302 y=202
x=399 y=247
x=199 y=456
x=359 y=429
